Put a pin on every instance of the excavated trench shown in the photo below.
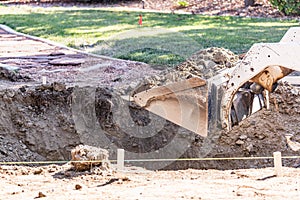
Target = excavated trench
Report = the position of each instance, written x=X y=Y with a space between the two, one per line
x=45 y=121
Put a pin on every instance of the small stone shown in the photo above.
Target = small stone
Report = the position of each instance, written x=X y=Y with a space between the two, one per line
x=243 y=137
x=239 y=142
x=24 y=171
x=41 y=195
x=294 y=91
x=249 y=147
x=23 y=89
x=38 y=171
x=58 y=86
x=261 y=137
x=157 y=78
x=78 y=187
x=134 y=145
x=51 y=170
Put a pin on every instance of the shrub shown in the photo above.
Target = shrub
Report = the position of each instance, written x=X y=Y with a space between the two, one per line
x=287 y=7
x=182 y=4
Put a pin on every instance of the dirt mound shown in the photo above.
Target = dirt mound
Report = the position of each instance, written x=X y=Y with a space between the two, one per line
x=207 y=62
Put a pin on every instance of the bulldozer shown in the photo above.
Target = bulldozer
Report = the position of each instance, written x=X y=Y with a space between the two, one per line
x=224 y=100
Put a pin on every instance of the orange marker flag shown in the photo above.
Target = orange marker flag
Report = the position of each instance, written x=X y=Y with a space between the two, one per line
x=141 y=20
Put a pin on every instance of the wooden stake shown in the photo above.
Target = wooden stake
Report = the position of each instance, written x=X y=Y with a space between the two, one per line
x=120 y=159
x=277 y=164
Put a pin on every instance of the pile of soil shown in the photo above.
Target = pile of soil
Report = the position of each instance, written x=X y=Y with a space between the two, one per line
x=205 y=64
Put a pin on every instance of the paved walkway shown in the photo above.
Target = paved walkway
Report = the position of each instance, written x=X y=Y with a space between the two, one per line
x=36 y=58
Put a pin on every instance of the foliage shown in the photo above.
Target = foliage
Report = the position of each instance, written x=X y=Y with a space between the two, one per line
x=182 y=4
x=287 y=7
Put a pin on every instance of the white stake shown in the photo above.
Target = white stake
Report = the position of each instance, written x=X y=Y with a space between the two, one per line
x=267 y=100
x=44 y=80
x=120 y=159
x=277 y=163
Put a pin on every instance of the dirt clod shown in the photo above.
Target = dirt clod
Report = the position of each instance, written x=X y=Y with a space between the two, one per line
x=38 y=171
x=40 y=195
x=78 y=187
x=86 y=157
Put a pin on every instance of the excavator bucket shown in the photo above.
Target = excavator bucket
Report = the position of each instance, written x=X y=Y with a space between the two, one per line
x=184 y=103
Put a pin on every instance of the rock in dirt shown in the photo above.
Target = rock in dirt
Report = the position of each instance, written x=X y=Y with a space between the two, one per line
x=85 y=154
x=78 y=187
x=58 y=86
x=40 y=195
x=10 y=73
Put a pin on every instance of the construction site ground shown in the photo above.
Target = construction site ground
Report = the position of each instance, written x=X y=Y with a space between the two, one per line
x=52 y=182
x=43 y=122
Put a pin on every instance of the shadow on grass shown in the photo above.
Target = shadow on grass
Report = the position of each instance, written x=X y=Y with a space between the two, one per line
x=155 y=46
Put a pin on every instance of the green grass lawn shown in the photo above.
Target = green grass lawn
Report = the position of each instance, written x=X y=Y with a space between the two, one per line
x=164 y=39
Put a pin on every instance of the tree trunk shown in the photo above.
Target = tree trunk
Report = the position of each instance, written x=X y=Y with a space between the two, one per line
x=249 y=2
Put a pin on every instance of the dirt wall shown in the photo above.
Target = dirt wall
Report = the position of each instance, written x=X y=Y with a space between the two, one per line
x=45 y=123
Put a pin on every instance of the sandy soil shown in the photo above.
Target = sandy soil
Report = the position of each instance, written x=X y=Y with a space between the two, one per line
x=55 y=182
